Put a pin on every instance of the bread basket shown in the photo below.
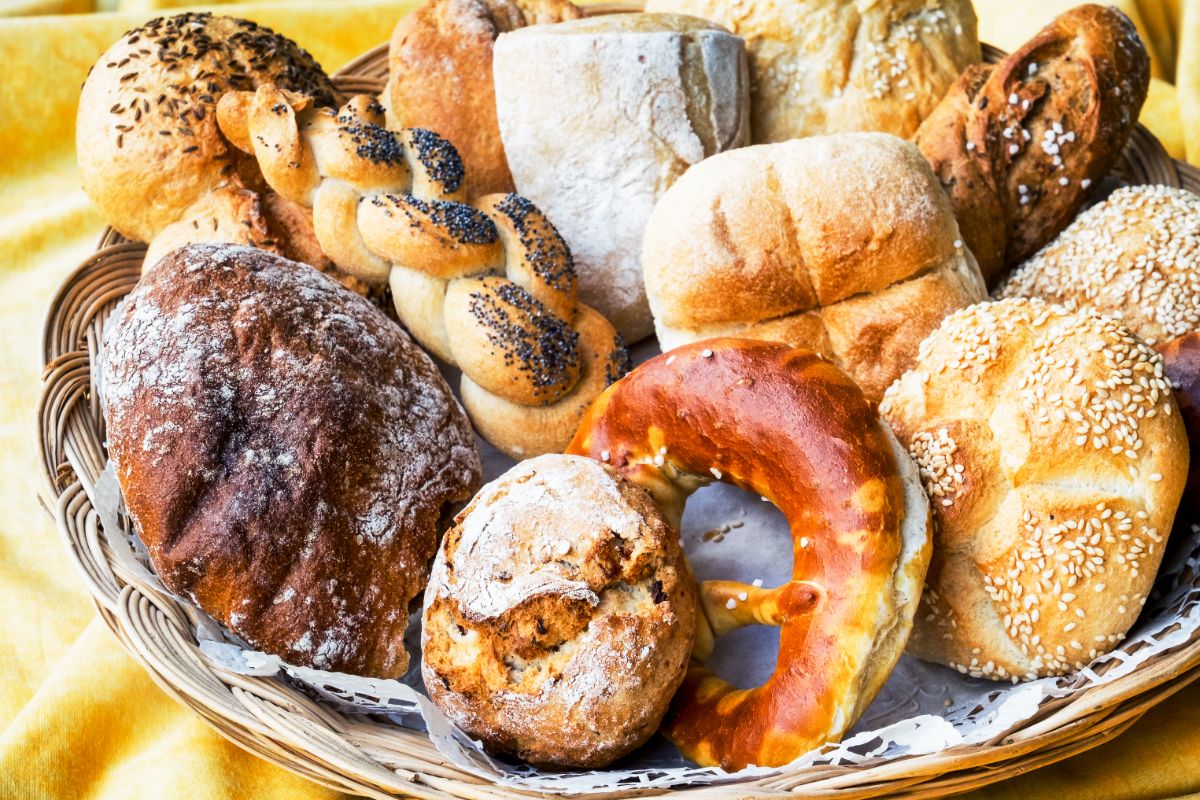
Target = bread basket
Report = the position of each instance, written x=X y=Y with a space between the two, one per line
x=278 y=722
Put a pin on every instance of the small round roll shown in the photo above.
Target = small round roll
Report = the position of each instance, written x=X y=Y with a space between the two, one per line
x=560 y=615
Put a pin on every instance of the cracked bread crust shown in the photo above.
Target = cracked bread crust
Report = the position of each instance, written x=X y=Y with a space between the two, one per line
x=559 y=616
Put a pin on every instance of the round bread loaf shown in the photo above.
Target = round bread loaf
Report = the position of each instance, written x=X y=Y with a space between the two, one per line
x=560 y=615
x=1052 y=447
x=828 y=66
x=1135 y=256
x=146 y=132
x=285 y=452
x=842 y=244
x=440 y=76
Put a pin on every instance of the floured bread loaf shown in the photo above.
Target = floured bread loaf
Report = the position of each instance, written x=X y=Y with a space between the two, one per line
x=599 y=117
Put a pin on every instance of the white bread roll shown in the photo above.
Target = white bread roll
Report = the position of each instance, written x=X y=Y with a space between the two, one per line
x=829 y=66
x=843 y=244
x=1055 y=455
x=599 y=117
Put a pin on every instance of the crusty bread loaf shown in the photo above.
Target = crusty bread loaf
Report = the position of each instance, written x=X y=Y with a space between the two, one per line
x=1134 y=256
x=285 y=453
x=844 y=244
x=146 y=132
x=1053 y=450
x=560 y=615
x=1018 y=144
x=828 y=66
x=440 y=76
x=635 y=99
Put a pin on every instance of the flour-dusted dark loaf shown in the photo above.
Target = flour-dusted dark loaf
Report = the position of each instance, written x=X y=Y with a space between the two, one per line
x=285 y=452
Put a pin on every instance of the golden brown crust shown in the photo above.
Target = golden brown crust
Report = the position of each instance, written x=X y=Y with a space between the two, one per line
x=560 y=615
x=1017 y=144
x=146 y=136
x=1053 y=450
x=828 y=66
x=440 y=76
x=261 y=421
x=786 y=424
x=844 y=244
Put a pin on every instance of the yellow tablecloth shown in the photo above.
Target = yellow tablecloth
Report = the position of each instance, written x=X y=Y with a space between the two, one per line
x=78 y=718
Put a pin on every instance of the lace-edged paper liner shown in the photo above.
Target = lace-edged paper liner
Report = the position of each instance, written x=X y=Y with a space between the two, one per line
x=922 y=709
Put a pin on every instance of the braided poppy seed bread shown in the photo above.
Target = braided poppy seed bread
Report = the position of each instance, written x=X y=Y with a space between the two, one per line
x=285 y=452
x=560 y=615
x=147 y=139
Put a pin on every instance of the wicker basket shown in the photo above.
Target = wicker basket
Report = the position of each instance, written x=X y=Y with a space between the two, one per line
x=276 y=721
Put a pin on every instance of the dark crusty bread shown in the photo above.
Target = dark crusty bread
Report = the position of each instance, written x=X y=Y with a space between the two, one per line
x=1017 y=144
x=285 y=452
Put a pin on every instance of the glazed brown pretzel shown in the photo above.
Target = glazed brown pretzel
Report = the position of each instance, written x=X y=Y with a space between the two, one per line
x=490 y=288
x=786 y=424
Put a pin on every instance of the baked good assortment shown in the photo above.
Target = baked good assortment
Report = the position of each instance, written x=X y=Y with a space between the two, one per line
x=285 y=452
x=560 y=615
x=844 y=244
x=989 y=483
x=635 y=100
x=1018 y=144
x=1132 y=256
x=440 y=76
x=828 y=66
x=786 y=424
x=1052 y=446
x=490 y=288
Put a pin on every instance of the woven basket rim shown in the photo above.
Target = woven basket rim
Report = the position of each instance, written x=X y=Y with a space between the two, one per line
x=277 y=722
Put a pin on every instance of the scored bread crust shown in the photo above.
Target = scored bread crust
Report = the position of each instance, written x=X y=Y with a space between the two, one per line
x=844 y=244
x=828 y=66
x=1053 y=451
x=285 y=452
x=147 y=139
x=559 y=616
x=440 y=76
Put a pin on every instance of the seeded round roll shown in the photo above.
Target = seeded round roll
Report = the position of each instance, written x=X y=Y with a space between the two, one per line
x=1052 y=447
x=1135 y=256
x=147 y=138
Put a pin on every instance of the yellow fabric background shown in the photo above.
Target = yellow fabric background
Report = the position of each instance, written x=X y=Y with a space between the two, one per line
x=80 y=719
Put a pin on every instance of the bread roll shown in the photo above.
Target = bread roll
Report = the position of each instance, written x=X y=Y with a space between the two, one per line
x=599 y=117
x=560 y=615
x=146 y=132
x=843 y=244
x=1134 y=256
x=828 y=66
x=1053 y=450
x=440 y=76
x=285 y=453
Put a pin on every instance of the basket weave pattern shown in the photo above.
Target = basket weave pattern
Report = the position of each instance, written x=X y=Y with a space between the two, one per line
x=278 y=722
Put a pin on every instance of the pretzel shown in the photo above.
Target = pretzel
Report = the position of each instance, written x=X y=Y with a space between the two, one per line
x=786 y=424
x=489 y=288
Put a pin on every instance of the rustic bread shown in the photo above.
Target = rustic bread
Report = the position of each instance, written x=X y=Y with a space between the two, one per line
x=440 y=76
x=635 y=99
x=843 y=244
x=828 y=66
x=1018 y=144
x=1134 y=256
x=147 y=140
x=285 y=453
x=560 y=615
x=1053 y=450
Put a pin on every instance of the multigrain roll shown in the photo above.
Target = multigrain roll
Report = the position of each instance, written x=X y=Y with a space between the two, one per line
x=440 y=76
x=560 y=615
x=1134 y=256
x=842 y=244
x=285 y=452
x=1052 y=447
x=147 y=139
x=828 y=66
